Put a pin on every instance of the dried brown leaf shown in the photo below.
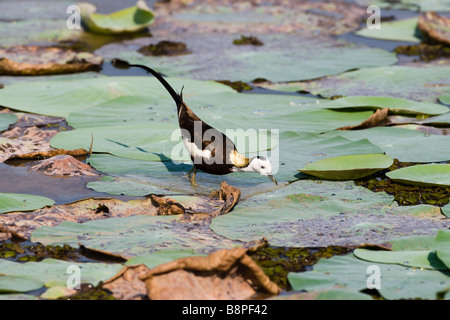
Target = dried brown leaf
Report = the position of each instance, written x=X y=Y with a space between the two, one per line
x=434 y=27
x=127 y=285
x=224 y=274
x=378 y=118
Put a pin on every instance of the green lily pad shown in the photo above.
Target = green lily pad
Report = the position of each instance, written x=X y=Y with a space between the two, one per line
x=70 y=94
x=417 y=83
x=17 y=284
x=414 y=5
x=152 y=260
x=55 y=273
x=441 y=246
x=283 y=58
x=401 y=143
x=22 y=202
x=395 y=105
x=132 y=236
x=339 y=212
x=397 y=282
x=419 y=259
x=402 y=30
x=446 y=210
x=133 y=19
x=6 y=119
x=445 y=98
x=348 y=167
x=342 y=294
x=423 y=175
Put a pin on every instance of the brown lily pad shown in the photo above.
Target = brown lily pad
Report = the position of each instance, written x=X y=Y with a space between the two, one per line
x=22 y=224
x=223 y=274
x=64 y=165
x=33 y=60
x=434 y=27
x=30 y=137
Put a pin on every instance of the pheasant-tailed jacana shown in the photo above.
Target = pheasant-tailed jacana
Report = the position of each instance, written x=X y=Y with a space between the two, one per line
x=211 y=151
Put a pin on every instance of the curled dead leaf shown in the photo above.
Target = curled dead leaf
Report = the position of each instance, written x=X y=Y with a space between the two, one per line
x=166 y=206
x=378 y=118
x=224 y=274
x=230 y=195
x=127 y=285
x=435 y=27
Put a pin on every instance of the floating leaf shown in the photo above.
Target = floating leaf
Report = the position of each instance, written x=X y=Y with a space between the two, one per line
x=55 y=273
x=445 y=98
x=131 y=236
x=397 y=282
x=22 y=202
x=402 y=30
x=413 y=5
x=342 y=294
x=419 y=83
x=441 y=246
x=423 y=175
x=339 y=212
x=154 y=259
x=18 y=284
x=446 y=210
x=283 y=58
x=419 y=259
x=400 y=143
x=395 y=105
x=348 y=167
x=6 y=119
x=133 y=19
x=66 y=95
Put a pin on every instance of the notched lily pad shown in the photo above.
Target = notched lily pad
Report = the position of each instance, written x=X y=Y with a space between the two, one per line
x=423 y=175
x=133 y=19
x=33 y=60
x=348 y=167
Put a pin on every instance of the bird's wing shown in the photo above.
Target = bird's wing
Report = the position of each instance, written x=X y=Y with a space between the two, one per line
x=237 y=159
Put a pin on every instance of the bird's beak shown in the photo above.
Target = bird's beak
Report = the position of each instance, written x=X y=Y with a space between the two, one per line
x=271 y=177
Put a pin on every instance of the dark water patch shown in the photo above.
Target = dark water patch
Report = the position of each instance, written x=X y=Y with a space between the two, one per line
x=15 y=177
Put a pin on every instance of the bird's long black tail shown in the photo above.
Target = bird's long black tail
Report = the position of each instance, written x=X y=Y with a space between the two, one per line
x=125 y=65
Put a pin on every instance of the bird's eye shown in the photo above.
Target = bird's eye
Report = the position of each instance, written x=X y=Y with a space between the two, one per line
x=262 y=167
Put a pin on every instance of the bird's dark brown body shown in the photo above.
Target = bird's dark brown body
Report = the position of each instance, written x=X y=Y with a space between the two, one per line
x=211 y=151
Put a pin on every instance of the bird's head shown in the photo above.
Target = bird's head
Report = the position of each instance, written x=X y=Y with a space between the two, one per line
x=262 y=166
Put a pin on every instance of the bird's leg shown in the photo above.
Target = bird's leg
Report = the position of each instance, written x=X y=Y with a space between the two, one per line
x=192 y=178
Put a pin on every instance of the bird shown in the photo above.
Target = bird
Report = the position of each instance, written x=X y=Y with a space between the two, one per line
x=210 y=150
